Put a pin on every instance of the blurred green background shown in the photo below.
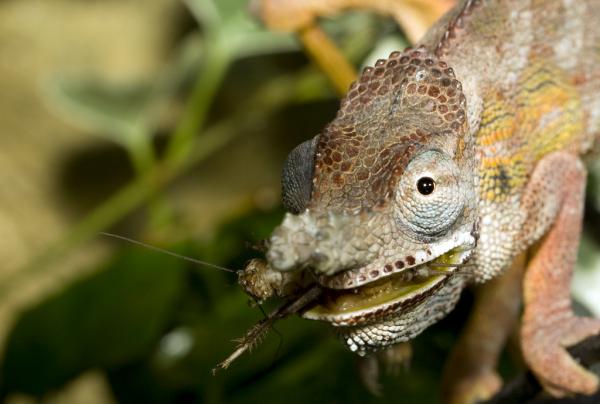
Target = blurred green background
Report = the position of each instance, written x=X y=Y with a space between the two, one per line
x=168 y=122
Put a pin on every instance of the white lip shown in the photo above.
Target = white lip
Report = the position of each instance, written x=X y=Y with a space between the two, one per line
x=377 y=270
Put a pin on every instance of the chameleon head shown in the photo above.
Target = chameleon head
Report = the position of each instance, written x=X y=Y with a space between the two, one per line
x=383 y=204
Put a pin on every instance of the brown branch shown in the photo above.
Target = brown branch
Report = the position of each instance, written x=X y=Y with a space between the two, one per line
x=526 y=389
x=414 y=16
x=301 y=16
x=328 y=57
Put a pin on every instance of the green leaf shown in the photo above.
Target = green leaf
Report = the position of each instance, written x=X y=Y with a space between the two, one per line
x=237 y=30
x=210 y=12
x=113 y=111
x=124 y=112
x=231 y=9
x=108 y=319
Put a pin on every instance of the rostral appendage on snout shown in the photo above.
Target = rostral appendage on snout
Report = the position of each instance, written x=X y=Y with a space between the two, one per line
x=325 y=243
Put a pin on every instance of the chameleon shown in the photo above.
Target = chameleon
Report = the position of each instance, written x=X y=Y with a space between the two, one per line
x=457 y=162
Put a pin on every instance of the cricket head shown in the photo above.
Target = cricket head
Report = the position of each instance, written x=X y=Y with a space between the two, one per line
x=382 y=203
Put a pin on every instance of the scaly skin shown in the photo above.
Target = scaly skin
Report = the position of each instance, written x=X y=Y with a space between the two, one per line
x=470 y=371
x=497 y=104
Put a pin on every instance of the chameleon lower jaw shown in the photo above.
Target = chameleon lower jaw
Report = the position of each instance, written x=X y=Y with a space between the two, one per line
x=403 y=324
x=387 y=297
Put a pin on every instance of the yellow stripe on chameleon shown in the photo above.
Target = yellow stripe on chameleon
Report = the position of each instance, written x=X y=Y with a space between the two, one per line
x=502 y=176
x=516 y=132
x=497 y=121
x=551 y=118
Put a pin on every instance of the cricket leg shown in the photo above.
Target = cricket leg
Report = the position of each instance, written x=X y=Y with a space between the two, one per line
x=470 y=372
x=554 y=203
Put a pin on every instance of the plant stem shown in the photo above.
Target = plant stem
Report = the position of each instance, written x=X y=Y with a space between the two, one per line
x=141 y=152
x=250 y=115
x=217 y=61
x=116 y=207
x=151 y=176
x=143 y=158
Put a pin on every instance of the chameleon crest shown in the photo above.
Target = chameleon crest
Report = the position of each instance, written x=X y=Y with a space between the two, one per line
x=394 y=111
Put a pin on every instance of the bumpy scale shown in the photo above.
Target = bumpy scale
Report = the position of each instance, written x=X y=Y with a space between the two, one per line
x=494 y=110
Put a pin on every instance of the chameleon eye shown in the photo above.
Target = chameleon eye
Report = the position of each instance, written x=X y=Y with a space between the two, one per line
x=429 y=198
x=425 y=185
x=296 y=178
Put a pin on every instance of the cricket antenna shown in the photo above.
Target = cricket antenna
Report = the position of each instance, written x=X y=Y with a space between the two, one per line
x=171 y=253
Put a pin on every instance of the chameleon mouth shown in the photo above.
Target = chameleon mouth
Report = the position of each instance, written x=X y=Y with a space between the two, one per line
x=378 y=299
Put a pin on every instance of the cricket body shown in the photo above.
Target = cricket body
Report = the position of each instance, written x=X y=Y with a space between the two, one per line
x=444 y=164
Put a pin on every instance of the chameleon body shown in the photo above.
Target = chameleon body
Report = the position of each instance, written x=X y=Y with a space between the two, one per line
x=445 y=164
